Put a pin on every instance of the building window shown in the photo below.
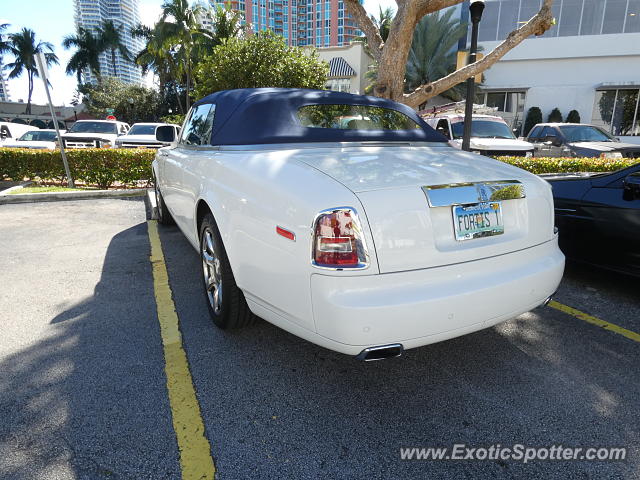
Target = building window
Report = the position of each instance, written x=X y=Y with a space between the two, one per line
x=339 y=84
x=616 y=111
x=573 y=17
x=509 y=104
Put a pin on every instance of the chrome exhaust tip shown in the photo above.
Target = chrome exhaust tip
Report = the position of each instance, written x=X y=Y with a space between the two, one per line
x=381 y=352
x=548 y=300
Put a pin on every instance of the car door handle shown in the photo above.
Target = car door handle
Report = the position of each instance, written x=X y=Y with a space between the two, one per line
x=163 y=154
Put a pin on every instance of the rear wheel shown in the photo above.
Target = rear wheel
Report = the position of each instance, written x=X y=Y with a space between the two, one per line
x=164 y=217
x=225 y=301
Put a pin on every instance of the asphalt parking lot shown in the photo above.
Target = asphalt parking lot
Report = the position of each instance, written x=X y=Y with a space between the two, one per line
x=83 y=391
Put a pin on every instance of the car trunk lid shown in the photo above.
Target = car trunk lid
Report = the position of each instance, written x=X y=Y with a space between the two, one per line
x=413 y=231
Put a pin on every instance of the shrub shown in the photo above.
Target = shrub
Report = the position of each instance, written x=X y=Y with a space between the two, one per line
x=573 y=117
x=175 y=118
x=534 y=116
x=555 y=116
x=539 y=165
x=98 y=166
x=260 y=60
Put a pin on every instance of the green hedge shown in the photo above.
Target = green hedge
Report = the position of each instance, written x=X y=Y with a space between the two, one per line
x=561 y=165
x=103 y=167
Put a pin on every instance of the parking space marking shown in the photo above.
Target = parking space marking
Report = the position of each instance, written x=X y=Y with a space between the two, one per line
x=195 y=451
x=595 y=321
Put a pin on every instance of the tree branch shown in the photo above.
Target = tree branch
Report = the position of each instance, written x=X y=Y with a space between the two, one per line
x=425 y=7
x=365 y=23
x=537 y=25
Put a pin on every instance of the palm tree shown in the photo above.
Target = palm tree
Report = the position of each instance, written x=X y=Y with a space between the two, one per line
x=383 y=22
x=109 y=38
x=182 y=31
x=86 y=56
x=432 y=55
x=24 y=48
x=157 y=58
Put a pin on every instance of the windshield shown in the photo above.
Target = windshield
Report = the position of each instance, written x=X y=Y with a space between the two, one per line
x=142 y=130
x=93 y=127
x=354 y=117
x=483 y=129
x=36 y=136
x=585 y=133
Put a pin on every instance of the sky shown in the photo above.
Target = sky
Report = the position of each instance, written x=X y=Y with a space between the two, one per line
x=52 y=20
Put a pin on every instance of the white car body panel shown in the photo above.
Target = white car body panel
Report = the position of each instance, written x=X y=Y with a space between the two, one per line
x=10 y=132
x=440 y=288
x=143 y=141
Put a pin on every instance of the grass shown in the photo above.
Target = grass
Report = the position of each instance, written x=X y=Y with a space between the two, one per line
x=46 y=189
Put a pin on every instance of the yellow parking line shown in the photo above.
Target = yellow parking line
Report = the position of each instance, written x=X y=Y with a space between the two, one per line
x=195 y=452
x=595 y=321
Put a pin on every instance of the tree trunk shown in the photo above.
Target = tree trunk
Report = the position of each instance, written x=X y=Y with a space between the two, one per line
x=392 y=55
x=187 y=100
x=113 y=62
x=30 y=76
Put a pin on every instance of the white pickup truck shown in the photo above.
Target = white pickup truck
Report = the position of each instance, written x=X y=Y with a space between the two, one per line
x=94 y=134
x=490 y=135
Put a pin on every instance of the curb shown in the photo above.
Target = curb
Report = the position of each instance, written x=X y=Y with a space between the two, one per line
x=61 y=196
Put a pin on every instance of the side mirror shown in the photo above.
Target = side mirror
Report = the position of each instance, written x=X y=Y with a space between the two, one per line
x=443 y=131
x=165 y=134
x=552 y=140
x=631 y=186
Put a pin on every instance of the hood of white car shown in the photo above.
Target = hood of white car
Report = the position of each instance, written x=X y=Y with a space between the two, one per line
x=495 y=144
x=30 y=144
x=138 y=138
x=603 y=146
x=100 y=136
x=366 y=168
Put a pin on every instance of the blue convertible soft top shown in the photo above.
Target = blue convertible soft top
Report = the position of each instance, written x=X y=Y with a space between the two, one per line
x=269 y=115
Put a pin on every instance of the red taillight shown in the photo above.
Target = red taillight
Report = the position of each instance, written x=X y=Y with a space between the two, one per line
x=338 y=240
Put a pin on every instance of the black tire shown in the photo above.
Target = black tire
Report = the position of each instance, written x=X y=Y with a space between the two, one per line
x=164 y=217
x=228 y=307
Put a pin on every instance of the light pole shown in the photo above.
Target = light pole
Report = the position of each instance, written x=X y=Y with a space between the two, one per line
x=476 y=8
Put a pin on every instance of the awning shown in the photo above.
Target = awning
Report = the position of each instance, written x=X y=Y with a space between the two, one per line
x=338 y=67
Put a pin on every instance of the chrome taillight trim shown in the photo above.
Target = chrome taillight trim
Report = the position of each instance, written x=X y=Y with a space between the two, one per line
x=364 y=262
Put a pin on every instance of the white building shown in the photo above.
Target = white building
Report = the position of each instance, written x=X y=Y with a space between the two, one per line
x=348 y=66
x=4 y=91
x=589 y=61
x=125 y=14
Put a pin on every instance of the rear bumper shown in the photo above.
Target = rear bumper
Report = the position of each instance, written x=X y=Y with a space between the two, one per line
x=426 y=306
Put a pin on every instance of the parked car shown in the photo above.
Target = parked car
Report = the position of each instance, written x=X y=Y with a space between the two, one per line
x=367 y=241
x=43 y=139
x=143 y=135
x=10 y=131
x=490 y=135
x=578 y=140
x=598 y=215
x=94 y=134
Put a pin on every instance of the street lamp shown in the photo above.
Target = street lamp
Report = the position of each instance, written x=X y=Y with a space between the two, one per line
x=476 y=8
x=131 y=102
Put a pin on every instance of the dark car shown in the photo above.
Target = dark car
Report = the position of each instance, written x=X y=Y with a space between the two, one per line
x=599 y=217
x=578 y=140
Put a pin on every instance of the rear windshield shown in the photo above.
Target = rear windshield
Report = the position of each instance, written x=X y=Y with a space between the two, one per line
x=142 y=130
x=354 y=117
x=93 y=127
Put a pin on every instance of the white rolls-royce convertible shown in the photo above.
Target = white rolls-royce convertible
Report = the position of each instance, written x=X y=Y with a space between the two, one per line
x=348 y=221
